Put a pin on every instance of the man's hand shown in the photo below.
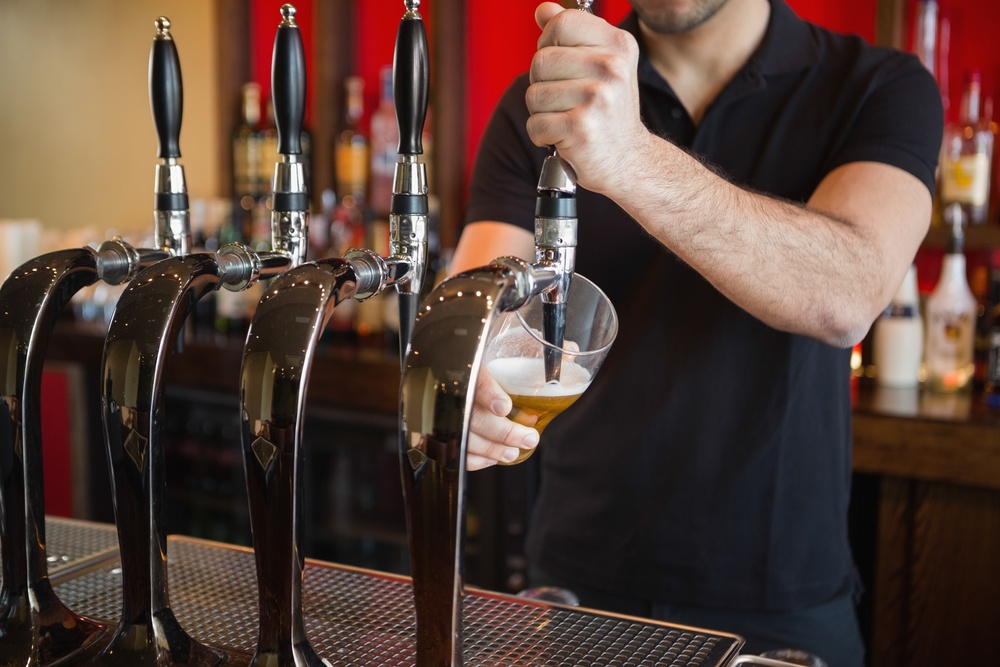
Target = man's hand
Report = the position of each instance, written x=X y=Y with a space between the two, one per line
x=492 y=436
x=583 y=82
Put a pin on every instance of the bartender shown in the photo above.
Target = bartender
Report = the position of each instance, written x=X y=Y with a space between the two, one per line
x=752 y=190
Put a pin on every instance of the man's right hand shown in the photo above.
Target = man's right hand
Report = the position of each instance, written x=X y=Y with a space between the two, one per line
x=493 y=438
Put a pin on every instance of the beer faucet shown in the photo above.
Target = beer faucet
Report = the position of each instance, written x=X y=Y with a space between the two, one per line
x=408 y=216
x=555 y=244
x=35 y=626
x=172 y=218
x=149 y=316
x=34 y=623
x=281 y=344
x=439 y=378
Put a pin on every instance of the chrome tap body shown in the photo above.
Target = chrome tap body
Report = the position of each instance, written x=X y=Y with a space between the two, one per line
x=280 y=348
x=439 y=379
x=34 y=624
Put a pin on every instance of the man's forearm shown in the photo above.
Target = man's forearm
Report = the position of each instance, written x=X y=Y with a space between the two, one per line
x=794 y=267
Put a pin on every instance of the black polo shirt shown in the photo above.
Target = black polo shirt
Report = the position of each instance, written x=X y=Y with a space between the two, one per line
x=710 y=462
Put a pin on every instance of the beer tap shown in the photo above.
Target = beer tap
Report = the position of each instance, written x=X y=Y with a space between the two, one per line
x=284 y=334
x=172 y=218
x=408 y=219
x=289 y=199
x=555 y=244
x=408 y=216
x=147 y=322
x=44 y=631
x=439 y=376
x=34 y=623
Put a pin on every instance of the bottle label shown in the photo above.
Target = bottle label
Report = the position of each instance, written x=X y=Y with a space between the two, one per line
x=966 y=180
x=352 y=167
x=949 y=344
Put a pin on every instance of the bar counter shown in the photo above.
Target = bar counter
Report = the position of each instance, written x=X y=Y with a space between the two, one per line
x=932 y=460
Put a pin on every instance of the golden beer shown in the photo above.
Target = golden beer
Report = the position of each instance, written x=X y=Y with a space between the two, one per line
x=534 y=399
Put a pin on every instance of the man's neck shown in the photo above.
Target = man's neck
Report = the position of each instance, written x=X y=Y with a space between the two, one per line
x=699 y=63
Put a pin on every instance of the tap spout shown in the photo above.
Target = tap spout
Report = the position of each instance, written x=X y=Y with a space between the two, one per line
x=149 y=316
x=439 y=378
x=281 y=344
x=33 y=621
x=555 y=247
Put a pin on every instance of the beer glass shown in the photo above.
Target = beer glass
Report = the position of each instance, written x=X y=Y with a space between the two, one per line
x=515 y=353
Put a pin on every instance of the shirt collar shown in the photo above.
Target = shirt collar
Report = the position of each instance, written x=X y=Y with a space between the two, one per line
x=789 y=45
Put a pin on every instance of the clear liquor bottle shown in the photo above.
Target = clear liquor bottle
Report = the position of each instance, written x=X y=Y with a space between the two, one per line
x=967 y=158
x=384 y=147
x=951 y=318
x=248 y=182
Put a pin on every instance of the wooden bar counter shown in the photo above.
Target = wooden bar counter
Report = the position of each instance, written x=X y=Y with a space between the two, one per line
x=936 y=591
x=931 y=464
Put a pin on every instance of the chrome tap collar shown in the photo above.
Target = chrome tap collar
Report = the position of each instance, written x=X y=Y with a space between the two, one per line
x=373 y=272
x=410 y=177
x=239 y=266
x=118 y=262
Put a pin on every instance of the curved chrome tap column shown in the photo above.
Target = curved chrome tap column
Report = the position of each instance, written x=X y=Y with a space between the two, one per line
x=150 y=314
x=437 y=392
x=34 y=623
x=284 y=332
x=280 y=347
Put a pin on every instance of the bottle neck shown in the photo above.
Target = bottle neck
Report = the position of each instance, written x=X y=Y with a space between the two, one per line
x=970 y=104
x=953 y=267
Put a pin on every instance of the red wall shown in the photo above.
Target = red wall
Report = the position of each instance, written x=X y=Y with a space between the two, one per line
x=501 y=41
x=499 y=50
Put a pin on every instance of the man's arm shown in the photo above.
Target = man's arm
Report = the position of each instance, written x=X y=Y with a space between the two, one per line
x=482 y=242
x=824 y=270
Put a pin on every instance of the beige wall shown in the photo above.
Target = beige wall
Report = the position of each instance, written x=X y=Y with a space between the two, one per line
x=77 y=143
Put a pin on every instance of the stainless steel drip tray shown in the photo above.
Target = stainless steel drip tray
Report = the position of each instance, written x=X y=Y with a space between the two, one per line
x=358 y=617
x=73 y=545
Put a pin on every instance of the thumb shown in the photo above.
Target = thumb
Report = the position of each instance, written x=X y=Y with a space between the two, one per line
x=546 y=11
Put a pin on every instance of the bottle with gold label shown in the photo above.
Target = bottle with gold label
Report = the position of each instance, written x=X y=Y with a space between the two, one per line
x=967 y=158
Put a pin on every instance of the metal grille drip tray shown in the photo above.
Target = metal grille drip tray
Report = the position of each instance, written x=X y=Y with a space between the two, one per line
x=360 y=618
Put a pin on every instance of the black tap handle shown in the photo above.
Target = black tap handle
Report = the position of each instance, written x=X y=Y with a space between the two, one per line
x=288 y=83
x=166 y=92
x=411 y=80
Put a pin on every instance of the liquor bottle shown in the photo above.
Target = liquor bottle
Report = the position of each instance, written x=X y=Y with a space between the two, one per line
x=899 y=337
x=384 y=147
x=951 y=317
x=991 y=387
x=351 y=213
x=925 y=34
x=967 y=156
x=248 y=182
x=351 y=172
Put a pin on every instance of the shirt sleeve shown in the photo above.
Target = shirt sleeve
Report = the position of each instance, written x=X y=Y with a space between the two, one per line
x=901 y=122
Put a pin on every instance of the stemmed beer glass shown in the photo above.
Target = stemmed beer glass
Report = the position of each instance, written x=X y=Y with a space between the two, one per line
x=515 y=355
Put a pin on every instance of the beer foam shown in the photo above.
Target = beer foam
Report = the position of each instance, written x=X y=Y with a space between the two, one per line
x=526 y=376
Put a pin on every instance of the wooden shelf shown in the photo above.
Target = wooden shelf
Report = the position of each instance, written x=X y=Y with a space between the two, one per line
x=977 y=237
